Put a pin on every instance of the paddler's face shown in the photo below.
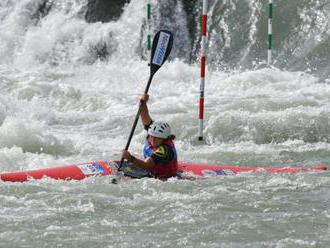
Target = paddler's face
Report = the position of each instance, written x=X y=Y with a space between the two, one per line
x=155 y=141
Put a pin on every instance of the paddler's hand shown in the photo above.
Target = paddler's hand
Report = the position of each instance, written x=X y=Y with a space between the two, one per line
x=144 y=98
x=126 y=154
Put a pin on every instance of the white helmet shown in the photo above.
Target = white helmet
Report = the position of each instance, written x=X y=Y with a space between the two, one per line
x=159 y=129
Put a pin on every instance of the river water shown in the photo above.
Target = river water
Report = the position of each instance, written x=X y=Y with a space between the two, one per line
x=60 y=105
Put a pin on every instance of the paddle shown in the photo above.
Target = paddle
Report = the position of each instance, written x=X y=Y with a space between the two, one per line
x=161 y=48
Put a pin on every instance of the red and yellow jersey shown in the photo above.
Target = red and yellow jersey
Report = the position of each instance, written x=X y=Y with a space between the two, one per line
x=165 y=158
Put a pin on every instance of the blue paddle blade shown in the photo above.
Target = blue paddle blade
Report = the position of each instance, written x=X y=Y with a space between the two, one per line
x=161 y=49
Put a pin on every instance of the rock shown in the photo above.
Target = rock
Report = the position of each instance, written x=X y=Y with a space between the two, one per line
x=104 y=10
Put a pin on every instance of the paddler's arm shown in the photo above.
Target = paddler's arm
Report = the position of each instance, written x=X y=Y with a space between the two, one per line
x=148 y=163
x=145 y=117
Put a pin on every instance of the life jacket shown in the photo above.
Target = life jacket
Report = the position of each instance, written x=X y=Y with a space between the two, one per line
x=161 y=170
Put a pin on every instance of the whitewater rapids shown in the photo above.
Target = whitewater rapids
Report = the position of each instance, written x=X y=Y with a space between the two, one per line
x=60 y=105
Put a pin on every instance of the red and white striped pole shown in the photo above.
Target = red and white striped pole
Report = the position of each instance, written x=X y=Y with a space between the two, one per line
x=203 y=63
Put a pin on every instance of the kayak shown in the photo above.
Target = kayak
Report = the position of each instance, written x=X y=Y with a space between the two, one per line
x=111 y=168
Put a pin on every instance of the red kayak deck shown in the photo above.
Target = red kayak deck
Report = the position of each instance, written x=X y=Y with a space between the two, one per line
x=105 y=168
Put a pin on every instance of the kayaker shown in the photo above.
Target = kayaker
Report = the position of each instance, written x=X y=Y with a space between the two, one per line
x=160 y=157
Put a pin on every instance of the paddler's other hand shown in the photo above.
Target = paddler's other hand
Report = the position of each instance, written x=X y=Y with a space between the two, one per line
x=126 y=154
x=144 y=98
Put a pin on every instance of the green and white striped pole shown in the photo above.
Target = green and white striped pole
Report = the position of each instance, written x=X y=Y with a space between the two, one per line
x=149 y=25
x=270 y=32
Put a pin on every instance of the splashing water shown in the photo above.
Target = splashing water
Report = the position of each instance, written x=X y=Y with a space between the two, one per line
x=69 y=92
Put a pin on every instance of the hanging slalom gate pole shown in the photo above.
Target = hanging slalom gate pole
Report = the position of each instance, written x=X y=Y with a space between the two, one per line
x=203 y=63
x=149 y=26
x=270 y=32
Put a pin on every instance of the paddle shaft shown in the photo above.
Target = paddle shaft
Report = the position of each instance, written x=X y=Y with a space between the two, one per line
x=136 y=118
